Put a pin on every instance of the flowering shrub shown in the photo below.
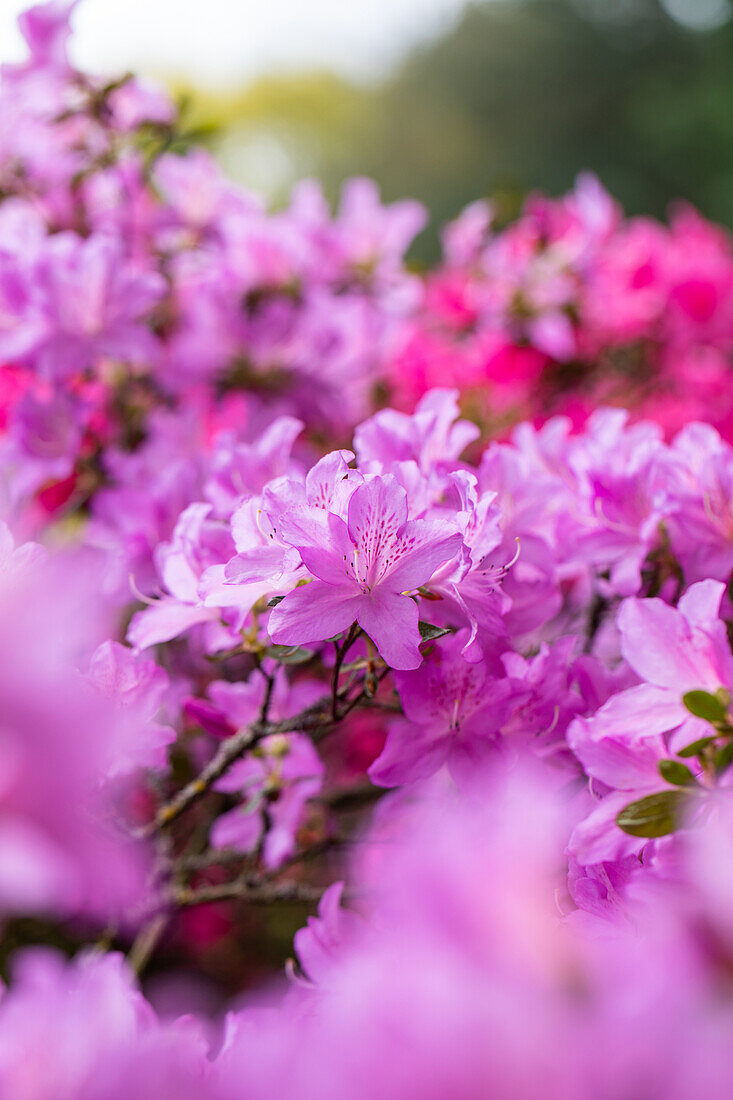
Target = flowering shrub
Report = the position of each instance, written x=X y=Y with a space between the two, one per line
x=572 y=306
x=266 y=645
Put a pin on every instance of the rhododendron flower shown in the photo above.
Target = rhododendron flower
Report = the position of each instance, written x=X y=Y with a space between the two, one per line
x=280 y=774
x=239 y=468
x=46 y=30
x=326 y=939
x=431 y=437
x=107 y=1041
x=675 y=651
x=507 y=597
x=16 y=560
x=137 y=686
x=87 y=303
x=629 y=772
x=701 y=528
x=363 y=566
x=453 y=713
x=275 y=782
x=231 y=707
x=266 y=560
x=627 y=476
x=63 y=846
x=197 y=543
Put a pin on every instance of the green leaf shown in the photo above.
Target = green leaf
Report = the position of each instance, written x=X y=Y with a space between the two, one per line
x=696 y=747
x=428 y=632
x=723 y=758
x=289 y=654
x=655 y=815
x=704 y=705
x=676 y=773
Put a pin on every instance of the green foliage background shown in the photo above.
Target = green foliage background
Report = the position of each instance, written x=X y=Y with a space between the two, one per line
x=520 y=94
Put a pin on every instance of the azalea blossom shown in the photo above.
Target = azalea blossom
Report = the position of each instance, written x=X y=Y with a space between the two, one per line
x=363 y=566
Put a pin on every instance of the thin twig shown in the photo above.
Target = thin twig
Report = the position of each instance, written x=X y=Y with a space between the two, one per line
x=146 y=941
x=214 y=857
x=598 y=610
x=244 y=889
x=229 y=751
x=222 y=857
x=352 y=796
x=364 y=695
x=341 y=651
x=314 y=720
x=265 y=710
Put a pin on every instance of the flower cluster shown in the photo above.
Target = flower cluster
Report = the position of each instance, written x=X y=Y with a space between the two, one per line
x=265 y=646
x=574 y=305
x=137 y=283
x=466 y=981
x=134 y=277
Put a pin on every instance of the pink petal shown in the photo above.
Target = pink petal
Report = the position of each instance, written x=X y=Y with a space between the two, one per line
x=166 y=619
x=423 y=546
x=312 y=613
x=410 y=753
x=391 y=622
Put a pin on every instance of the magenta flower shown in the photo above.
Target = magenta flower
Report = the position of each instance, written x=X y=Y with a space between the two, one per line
x=363 y=568
x=232 y=706
x=61 y=849
x=620 y=772
x=276 y=779
x=16 y=559
x=136 y=686
x=454 y=711
x=95 y=301
x=274 y=782
x=326 y=939
x=108 y=1041
x=674 y=650
x=432 y=436
x=701 y=530
x=46 y=30
x=266 y=561
x=239 y=468
x=198 y=543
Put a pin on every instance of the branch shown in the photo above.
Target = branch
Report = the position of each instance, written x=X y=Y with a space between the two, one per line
x=265 y=710
x=146 y=941
x=256 y=892
x=352 y=796
x=228 y=752
x=315 y=720
x=365 y=695
x=341 y=651
x=213 y=857
x=596 y=615
x=222 y=857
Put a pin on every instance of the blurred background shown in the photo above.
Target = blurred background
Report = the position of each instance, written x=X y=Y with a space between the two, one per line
x=446 y=100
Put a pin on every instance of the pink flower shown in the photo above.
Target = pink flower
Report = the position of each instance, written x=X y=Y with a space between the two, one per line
x=46 y=30
x=275 y=782
x=137 y=687
x=63 y=847
x=453 y=713
x=674 y=651
x=326 y=939
x=107 y=1043
x=198 y=542
x=432 y=436
x=363 y=566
